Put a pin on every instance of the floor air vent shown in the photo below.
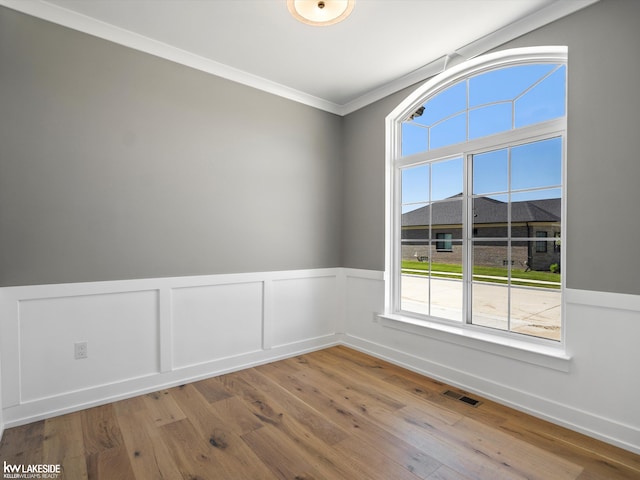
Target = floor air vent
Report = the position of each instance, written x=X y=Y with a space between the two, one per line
x=463 y=398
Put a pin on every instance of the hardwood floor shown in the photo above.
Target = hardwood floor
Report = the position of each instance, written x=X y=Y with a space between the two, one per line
x=333 y=414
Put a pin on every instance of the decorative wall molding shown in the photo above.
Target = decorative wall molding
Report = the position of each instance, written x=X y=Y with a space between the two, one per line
x=145 y=335
x=608 y=300
x=169 y=331
x=82 y=23
x=85 y=24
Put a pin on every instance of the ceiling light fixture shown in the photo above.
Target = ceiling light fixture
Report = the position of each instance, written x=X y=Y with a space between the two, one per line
x=320 y=12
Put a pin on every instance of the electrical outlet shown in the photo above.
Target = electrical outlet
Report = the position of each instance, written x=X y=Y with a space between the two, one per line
x=80 y=350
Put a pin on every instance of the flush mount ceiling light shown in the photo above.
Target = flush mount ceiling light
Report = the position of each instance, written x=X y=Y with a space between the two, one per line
x=320 y=12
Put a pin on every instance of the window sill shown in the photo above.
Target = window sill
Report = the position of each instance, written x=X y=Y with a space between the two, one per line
x=542 y=355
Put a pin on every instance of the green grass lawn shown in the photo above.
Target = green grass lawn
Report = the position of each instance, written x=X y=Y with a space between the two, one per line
x=519 y=277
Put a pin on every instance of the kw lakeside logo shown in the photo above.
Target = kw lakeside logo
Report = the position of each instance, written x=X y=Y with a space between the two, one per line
x=31 y=471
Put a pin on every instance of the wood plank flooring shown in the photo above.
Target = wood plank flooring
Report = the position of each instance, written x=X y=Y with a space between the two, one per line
x=333 y=414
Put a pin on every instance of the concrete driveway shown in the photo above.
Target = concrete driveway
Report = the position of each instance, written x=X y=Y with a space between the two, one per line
x=534 y=311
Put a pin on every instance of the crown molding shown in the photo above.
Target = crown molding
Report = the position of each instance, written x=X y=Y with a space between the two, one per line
x=83 y=23
x=542 y=17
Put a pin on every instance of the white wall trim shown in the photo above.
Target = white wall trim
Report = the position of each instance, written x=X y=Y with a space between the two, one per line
x=546 y=15
x=103 y=394
x=164 y=321
x=182 y=318
x=608 y=300
x=83 y=23
x=361 y=273
x=522 y=350
x=330 y=306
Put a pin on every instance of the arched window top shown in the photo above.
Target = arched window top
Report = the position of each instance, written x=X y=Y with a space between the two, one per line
x=493 y=94
x=475 y=198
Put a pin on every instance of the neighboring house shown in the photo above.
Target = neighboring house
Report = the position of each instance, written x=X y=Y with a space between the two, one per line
x=529 y=219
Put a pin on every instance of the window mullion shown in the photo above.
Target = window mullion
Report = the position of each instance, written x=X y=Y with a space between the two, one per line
x=509 y=237
x=467 y=233
x=430 y=242
x=396 y=253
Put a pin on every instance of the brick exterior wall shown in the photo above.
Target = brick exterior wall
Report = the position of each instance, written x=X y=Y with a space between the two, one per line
x=488 y=253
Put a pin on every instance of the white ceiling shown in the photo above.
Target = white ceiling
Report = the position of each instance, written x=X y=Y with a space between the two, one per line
x=383 y=46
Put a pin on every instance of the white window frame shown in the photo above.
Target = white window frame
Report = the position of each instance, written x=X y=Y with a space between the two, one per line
x=545 y=352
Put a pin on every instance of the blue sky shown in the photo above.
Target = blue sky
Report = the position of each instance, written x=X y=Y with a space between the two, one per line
x=498 y=100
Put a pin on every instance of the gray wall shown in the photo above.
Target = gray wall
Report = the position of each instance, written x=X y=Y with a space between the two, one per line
x=115 y=164
x=603 y=173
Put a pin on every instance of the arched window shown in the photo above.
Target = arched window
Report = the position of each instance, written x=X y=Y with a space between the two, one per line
x=475 y=196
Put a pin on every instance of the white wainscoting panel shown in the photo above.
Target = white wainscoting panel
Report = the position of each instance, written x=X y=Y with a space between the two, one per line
x=121 y=331
x=217 y=321
x=145 y=335
x=305 y=308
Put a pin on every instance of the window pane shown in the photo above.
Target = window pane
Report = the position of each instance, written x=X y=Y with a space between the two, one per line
x=490 y=294
x=414 y=296
x=490 y=172
x=520 y=259
x=431 y=288
x=545 y=101
x=415 y=254
x=415 y=281
x=446 y=278
x=541 y=246
x=490 y=216
x=447 y=254
x=490 y=305
x=536 y=311
x=537 y=164
x=444 y=243
x=447 y=218
x=446 y=298
x=415 y=184
x=414 y=139
x=415 y=226
x=541 y=256
x=496 y=209
x=534 y=211
x=446 y=179
x=450 y=101
x=449 y=132
x=490 y=257
x=490 y=119
x=505 y=83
